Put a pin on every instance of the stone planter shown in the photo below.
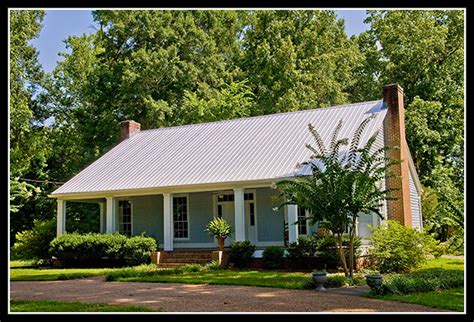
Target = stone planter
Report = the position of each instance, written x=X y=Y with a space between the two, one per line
x=319 y=278
x=374 y=281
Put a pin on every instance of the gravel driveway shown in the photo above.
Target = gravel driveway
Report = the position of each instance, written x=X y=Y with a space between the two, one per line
x=203 y=298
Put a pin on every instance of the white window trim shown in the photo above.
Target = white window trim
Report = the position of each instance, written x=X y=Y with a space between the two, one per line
x=254 y=191
x=120 y=220
x=177 y=195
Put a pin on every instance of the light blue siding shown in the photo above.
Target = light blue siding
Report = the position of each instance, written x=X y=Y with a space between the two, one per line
x=199 y=214
x=269 y=223
x=147 y=212
x=148 y=217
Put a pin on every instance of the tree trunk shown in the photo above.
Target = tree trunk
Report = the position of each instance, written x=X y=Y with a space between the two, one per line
x=351 y=247
x=341 y=253
x=351 y=253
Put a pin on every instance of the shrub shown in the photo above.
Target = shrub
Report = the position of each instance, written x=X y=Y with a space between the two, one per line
x=241 y=253
x=213 y=266
x=334 y=281
x=191 y=268
x=327 y=252
x=319 y=252
x=102 y=249
x=138 y=250
x=34 y=243
x=303 y=253
x=273 y=257
x=396 y=248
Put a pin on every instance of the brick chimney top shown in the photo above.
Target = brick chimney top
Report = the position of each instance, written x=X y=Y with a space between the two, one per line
x=391 y=94
x=128 y=128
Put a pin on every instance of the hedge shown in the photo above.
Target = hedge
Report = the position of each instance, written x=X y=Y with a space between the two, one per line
x=95 y=250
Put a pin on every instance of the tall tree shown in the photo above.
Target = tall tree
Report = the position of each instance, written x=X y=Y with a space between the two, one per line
x=297 y=59
x=159 y=68
x=423 y=50
x=345 y=181
x=28 y=147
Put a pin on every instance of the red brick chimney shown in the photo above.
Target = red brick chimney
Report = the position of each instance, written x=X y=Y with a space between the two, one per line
x=394 y=133
x=128 y=129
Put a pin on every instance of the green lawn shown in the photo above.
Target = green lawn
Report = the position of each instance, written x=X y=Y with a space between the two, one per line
x=276 y=279
x=450 y=299
x=150 y=273
x=52 y=306
x=444 y=263
x=52 y=274
x=21 y=263
x=22 y=271
x=223 y=277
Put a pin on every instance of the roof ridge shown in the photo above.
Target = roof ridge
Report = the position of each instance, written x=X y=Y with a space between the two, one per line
x=261 y=116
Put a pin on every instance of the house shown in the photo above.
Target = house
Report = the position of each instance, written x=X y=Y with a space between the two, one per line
x=170 y=182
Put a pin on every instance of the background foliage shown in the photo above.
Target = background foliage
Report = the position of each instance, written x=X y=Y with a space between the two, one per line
x=165 y=68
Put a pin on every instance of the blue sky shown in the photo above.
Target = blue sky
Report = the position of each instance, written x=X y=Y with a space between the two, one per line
x=59 y=24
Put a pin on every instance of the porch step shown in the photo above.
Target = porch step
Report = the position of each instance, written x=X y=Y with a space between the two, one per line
x=179 y=258
x=190 y=256
x=186 y=260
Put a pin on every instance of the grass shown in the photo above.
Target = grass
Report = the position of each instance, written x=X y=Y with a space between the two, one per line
x=22 y=263
x=53 y=306
x=451 y=299
x=440 y=281
x=191 y=275
x=23 y=271
x=443 y=263
x=223 y=277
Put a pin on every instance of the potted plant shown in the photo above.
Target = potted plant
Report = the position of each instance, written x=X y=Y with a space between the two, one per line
x=220 y=229
x=319 y=278
x=374 y=281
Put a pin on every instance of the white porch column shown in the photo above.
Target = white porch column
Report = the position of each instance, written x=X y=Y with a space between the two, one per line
x=102 y=217
x=292 y=211
x=110 y=215
x=239 y=214
x=61 y=218
x=168 y=221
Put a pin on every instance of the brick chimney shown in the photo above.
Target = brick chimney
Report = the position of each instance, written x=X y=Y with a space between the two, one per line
x=394 y=134
x=128 y=128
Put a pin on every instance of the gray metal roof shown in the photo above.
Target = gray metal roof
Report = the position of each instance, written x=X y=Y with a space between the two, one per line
x=253 y=148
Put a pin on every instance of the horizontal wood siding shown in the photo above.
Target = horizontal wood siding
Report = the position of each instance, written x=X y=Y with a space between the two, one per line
x=415 y=205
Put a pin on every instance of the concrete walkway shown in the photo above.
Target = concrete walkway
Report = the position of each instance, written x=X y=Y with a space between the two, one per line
x=203 y=298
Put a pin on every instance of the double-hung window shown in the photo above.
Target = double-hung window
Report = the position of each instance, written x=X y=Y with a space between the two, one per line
x=180 y=217
x=302 y=222
x=125 y=220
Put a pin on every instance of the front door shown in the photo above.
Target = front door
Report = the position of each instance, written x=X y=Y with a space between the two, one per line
x=225 y=210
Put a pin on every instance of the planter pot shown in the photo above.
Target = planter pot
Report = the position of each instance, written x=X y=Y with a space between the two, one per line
x=319 y=278
x=220 y=243
x=374 y=281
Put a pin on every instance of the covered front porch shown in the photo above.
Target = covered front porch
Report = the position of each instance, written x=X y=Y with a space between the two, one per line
x=178 y=219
